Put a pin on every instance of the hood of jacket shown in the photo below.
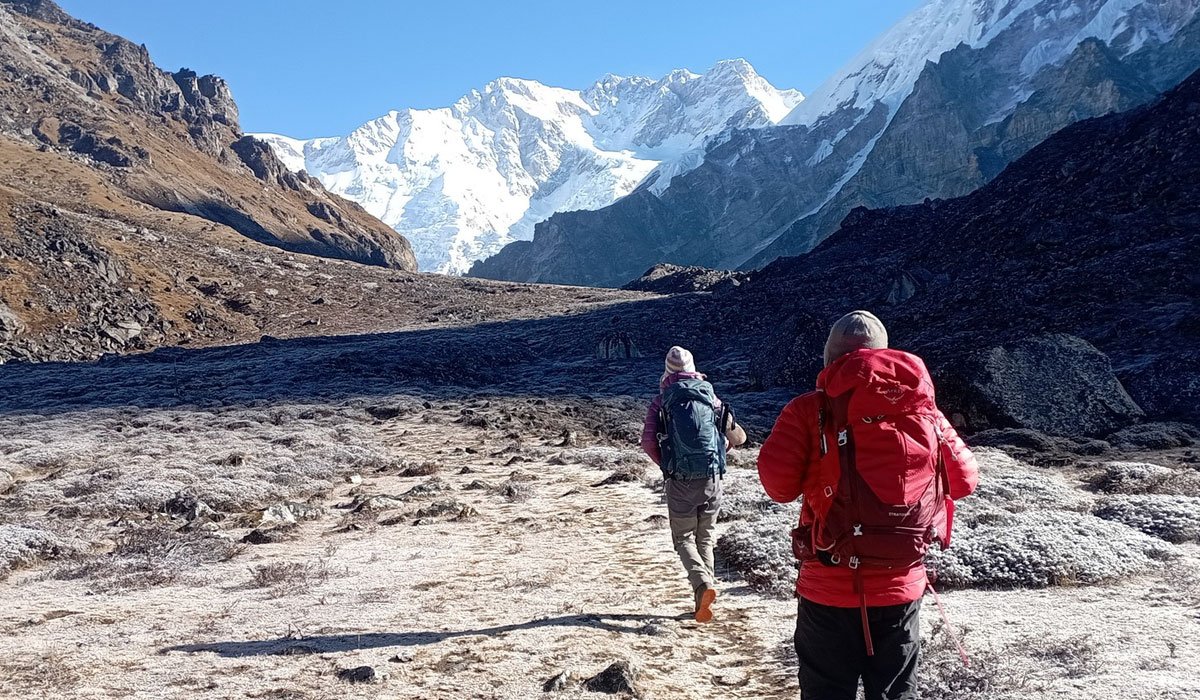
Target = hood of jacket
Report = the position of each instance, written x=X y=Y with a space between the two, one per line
x=883 y=382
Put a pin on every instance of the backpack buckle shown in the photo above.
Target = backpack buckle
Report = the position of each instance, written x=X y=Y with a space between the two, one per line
x=835 y=558
x=828 y=492
x=858 y=530
x=843 y=438
x=854 y=562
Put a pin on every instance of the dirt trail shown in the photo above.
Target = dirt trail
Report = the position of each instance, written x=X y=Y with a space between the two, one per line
x=566 y=576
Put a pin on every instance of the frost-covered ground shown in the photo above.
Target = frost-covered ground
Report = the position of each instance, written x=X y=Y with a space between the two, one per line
x=473 y=520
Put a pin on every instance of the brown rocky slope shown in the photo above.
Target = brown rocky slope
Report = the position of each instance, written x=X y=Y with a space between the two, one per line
x=134 y=214
x=168 y=140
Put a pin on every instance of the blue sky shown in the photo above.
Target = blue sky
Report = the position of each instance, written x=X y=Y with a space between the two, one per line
x=319 y=68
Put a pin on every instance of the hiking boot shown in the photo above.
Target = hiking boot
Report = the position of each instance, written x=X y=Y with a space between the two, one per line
x=704 y=601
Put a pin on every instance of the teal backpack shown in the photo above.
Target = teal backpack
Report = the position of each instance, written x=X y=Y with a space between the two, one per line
x=690 y=439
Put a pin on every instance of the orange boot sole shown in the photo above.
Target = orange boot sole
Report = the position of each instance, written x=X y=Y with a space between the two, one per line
x=704 y=612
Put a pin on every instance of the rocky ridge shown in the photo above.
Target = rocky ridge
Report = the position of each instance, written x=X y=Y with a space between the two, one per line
x=1020 y=72
x=97 y=102
x=1085 y=235
x=134 y=215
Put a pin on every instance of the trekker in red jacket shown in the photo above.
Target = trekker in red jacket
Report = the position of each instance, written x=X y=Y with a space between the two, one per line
x=864 y=528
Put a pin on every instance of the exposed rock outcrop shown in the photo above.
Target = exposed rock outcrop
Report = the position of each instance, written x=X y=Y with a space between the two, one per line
x=674 y=279
x=1056 y=384
x=11 y=324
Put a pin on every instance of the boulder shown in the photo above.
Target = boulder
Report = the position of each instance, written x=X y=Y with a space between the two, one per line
x=10 y=323
x=272 y=535
x=1054 y=383
x=617 y=345
x=189 y=507
x=277 y=515
x=904 y=287
x=122 y=332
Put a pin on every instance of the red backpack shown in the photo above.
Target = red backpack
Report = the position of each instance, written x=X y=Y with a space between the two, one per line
x=885 y=493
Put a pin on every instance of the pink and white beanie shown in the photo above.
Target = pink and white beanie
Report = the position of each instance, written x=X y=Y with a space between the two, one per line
x=678 y=360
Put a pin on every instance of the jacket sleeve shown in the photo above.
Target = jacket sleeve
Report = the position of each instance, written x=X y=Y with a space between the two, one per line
x=783 y=461
x=735 y=435
x=650 y=432
x=961 y=467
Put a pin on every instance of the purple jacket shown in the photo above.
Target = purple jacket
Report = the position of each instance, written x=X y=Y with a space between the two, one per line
x=650 y=427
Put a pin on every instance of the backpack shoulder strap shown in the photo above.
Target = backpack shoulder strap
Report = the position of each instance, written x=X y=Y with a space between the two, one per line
x=823 y=420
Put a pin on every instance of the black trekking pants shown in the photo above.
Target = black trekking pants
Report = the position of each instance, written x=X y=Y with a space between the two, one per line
x=833 y=653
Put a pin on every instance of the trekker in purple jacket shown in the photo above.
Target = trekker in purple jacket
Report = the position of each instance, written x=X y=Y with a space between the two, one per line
x=687 y=433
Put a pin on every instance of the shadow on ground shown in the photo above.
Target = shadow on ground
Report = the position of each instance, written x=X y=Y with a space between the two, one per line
x=635 y=624
x=535 y=357
x=565 y=357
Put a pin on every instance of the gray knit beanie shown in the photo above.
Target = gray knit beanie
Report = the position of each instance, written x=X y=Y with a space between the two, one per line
x=855 y=331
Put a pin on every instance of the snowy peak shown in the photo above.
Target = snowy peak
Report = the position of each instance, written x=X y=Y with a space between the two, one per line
x=675 y=116
x=886 y=70
x=933 y=108
x=462 y=181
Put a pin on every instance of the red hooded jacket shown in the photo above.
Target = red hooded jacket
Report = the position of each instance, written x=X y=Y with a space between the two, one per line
x=790 y=465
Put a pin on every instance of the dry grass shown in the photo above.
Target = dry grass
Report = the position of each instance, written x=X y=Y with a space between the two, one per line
x=149 y=555
x=1076 y=656
x=292 y=578
x=25 y=543
x=49 y=672
x=110 y=462
x=991 y=675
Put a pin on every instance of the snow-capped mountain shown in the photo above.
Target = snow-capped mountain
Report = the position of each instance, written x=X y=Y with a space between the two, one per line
x=935 y=107
x=462 y=181
x=886 y=70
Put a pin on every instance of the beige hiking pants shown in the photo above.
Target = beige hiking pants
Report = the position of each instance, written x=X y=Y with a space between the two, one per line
x=692 y=536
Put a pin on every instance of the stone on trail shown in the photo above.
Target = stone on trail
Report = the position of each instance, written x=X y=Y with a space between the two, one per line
x=619 y=677
x=272 y=535
x=189 y=507
x=278 y=514
x=558 y=682
x=360 y=674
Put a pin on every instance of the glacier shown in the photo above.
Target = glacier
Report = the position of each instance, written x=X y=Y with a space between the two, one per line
x=886 y=70
x=463 y=181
